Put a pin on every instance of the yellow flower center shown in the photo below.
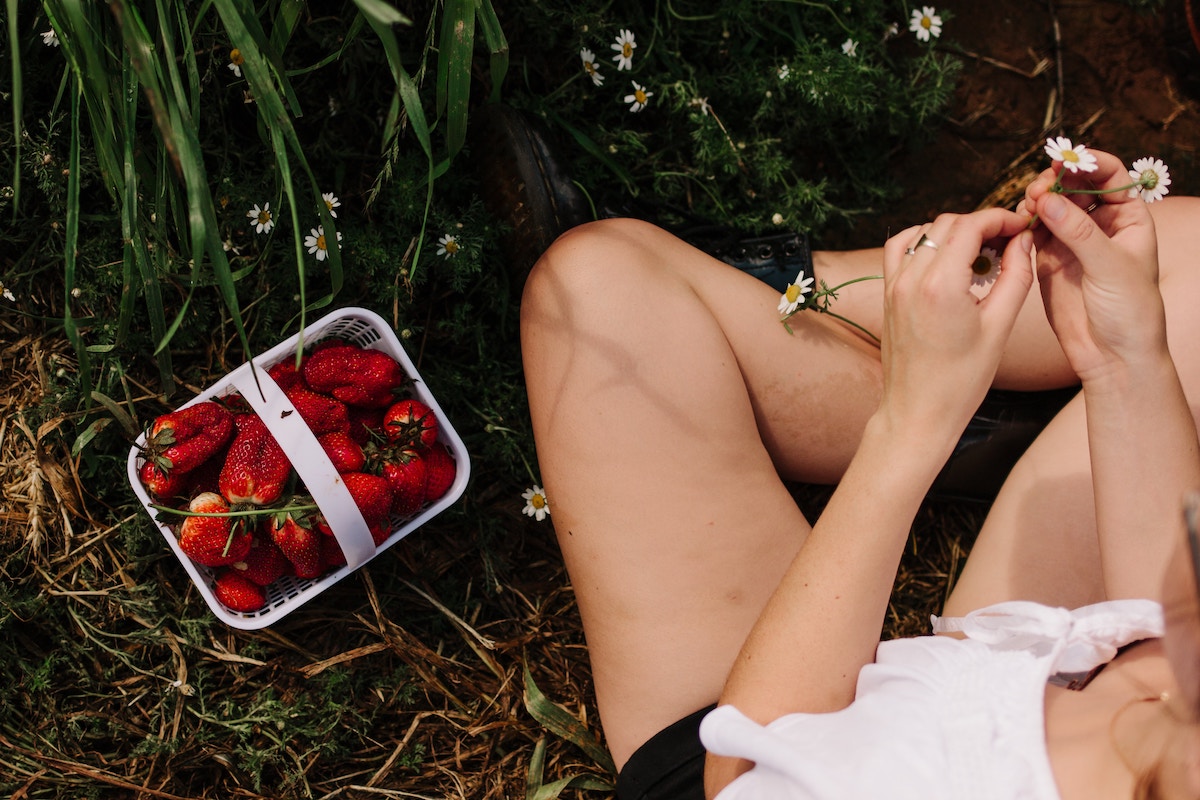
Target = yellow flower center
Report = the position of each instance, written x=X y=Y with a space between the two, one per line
x=264 y=217
x=982 y=265
x=627 y=50
x=793 y=293
x=451 y=247
x=537 y=501
x=235 y=56
x=590 y=67
x=1070 y=155
x=329 y=204
x=926 y=23
x=321 y=242
x=639 y=96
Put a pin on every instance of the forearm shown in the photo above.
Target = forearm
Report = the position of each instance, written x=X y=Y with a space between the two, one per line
x=823 y=622
x=1144 y=458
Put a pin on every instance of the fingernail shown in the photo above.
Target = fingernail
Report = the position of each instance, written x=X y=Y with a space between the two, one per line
x=1056 y=206
x=1026 y=242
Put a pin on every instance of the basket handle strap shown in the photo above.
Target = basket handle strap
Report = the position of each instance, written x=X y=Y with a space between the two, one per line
x=310 y=462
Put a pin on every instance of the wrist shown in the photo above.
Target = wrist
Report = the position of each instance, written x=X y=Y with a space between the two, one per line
x=913 y=446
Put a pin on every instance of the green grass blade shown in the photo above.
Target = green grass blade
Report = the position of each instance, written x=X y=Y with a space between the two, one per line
x=454 y=70
x=15 y=59
x=497 y=45
x=71 y=246
x=563 y=723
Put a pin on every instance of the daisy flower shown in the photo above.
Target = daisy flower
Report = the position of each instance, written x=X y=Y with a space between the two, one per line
x=850 y=47
x=316 y=244
x=925 y=23
x=331 y=202
x=536 y=504
x=589 y=66
x=784 y=71
x=448 y=245
x=235 y=62
x=793 y=298
x=261 y=218
x=639 y=98
x=986 y=267
x=50 y=38
x=1076 y=158
x=624 y=46
x=1153 y=178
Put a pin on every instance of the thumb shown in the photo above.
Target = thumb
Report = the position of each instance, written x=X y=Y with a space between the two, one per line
x=1015 y=279
x=1072 y=227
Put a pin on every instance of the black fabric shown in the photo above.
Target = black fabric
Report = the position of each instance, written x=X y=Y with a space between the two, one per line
x=670 y=766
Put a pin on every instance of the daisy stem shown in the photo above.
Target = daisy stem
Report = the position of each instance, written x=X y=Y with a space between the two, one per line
x=849 y=322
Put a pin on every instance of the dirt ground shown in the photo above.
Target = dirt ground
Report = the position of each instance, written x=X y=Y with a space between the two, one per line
x=1097 y=71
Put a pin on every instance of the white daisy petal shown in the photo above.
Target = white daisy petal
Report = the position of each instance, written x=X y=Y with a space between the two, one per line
x=639 y=99
x=986 y=267
x=536 y=504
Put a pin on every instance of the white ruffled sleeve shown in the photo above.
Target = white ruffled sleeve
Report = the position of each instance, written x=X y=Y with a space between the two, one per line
x=1083 y=638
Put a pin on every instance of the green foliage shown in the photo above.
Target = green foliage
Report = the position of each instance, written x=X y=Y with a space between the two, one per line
x=755 y=108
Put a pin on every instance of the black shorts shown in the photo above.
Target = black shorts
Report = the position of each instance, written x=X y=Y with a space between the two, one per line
x=670 y=766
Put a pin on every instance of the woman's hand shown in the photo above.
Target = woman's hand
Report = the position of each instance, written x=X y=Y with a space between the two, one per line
x=941 y=344
x=1098 y=271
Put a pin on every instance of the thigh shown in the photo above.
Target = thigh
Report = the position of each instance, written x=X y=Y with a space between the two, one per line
x=653 y=372
x=1039 y=540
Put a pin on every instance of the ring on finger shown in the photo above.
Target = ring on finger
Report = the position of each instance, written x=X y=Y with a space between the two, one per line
x=926 y=242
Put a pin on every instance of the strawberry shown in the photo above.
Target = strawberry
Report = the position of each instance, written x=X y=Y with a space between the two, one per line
x=287 y=375
x=364 y=423
x=256 y=468
x=406 y=474
x=372 y=494
x=183 y=440
x=410 y=422
x=238 y=593
x=355 y=375
x=331 y=553
x=212 y=541
x=345 y=453
x=299 y=543
x=439 y=473
x=265 y=563
x=163 y=484
x=320 y=412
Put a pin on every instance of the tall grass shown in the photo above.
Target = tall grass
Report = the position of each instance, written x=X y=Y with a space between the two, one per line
x=134 y=93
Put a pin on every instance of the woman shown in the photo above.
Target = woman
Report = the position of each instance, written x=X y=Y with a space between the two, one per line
x=669 y=405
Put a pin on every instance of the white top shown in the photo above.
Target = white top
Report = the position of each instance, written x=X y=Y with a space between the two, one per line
x=936 y=716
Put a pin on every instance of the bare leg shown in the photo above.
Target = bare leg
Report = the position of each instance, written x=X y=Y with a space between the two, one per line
x=667 y=401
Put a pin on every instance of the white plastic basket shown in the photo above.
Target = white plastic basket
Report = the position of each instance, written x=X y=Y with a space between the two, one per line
x=285 y=595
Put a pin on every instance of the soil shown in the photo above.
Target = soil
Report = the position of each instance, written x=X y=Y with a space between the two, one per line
x=1101 y=72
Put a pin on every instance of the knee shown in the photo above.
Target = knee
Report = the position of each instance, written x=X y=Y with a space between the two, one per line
x=596 y=263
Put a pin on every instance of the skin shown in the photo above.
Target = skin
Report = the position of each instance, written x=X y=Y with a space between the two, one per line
x=668 y=405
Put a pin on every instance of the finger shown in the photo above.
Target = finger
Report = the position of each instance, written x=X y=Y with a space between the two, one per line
x=895 y=249
x=1007 y=296
x=960 y=237
x=1073 y=229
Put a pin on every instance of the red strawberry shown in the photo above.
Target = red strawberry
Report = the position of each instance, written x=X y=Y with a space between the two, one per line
x=299 y=543
x=256 y=468
x=320 y=412
x=331 y=553
x=357 y=376
x=410 y=422
x=183 y=440
x=439 y=473
x=238 y=593
x=265 y=563
x=212 y=541
x=286 y=374
x=406 y=474
x=163 y=484
x=364 y=423
x=372 y=494
x=344 y=452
